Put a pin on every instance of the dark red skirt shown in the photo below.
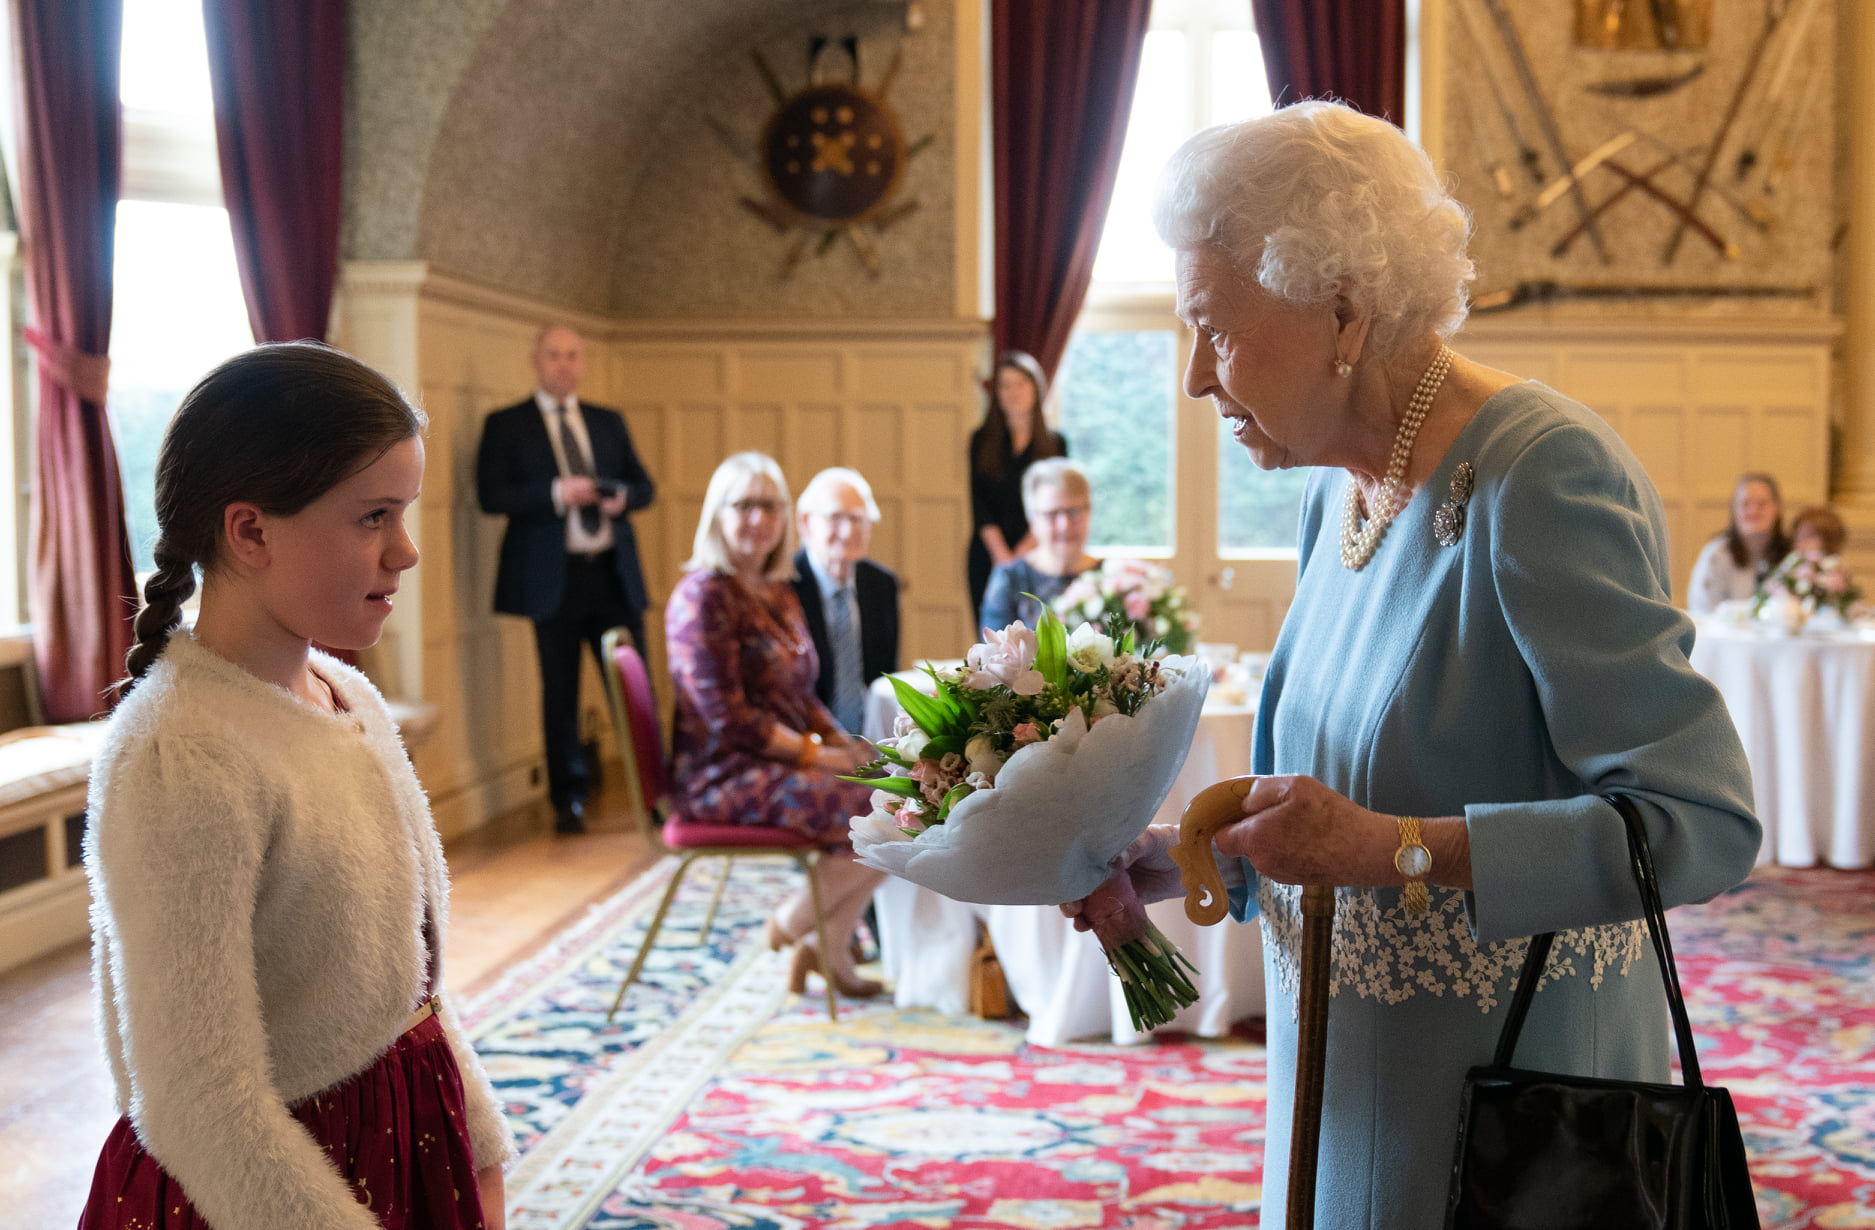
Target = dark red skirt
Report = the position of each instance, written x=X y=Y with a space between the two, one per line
x=397 y=1131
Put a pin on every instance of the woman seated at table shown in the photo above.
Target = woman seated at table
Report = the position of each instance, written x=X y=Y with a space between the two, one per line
x=1731 y=565
x=753 y=744
x=1817 y=532
x=1059 y=502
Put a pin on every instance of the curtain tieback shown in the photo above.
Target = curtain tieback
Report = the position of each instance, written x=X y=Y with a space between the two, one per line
x=88 y=375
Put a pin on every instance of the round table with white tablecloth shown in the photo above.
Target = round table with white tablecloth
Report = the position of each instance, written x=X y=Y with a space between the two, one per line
x=1804 y=706
x=1056 y=974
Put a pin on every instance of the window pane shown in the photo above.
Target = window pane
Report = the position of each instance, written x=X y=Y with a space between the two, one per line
x=165 y=57
x=177 y=312
x=1239 y=88
x=1256 y=509
x=1116 y=410
x=1130 y=250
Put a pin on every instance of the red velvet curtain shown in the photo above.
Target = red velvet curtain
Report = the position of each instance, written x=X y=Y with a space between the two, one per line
x=1061 y=81
x=82 y=589
x=1354 y=50
x=277 y=68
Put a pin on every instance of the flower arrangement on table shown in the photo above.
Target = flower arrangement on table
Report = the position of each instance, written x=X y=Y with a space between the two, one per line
x=1133 y=594
x=1027 y=772
x=1801 y=585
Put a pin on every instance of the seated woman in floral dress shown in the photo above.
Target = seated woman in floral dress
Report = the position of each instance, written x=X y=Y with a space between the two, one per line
x=753 y=744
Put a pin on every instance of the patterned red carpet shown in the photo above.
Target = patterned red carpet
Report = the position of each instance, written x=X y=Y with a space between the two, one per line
x=714 y=1119
x=1779 y=977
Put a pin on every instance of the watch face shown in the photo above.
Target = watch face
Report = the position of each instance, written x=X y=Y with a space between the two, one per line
x=1413 y=861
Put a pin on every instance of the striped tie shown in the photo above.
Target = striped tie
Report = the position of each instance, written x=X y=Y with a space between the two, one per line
x=589 y=514
x=849 y=690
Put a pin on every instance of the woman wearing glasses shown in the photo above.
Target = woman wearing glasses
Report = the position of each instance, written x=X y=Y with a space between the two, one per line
x=753 y=745
x=1059 y=502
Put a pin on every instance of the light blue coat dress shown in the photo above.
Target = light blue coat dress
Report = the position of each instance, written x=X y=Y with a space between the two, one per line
x=1513 y=678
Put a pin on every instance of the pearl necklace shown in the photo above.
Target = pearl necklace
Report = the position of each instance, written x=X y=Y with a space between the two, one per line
x=1358 y=541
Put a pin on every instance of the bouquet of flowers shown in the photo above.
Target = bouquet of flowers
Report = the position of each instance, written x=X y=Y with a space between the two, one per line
x=1027 y=772
x=1801 y=585
x=1132 y=594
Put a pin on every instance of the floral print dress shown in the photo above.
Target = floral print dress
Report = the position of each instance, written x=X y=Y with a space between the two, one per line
x=743 y=662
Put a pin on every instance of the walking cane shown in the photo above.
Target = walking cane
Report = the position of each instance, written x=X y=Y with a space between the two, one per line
x=1206 y=902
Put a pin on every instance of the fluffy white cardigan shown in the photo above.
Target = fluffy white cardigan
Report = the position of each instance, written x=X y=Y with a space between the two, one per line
x=259 y=873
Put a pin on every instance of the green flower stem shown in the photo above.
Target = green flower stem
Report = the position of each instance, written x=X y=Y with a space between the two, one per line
x=1154 y=985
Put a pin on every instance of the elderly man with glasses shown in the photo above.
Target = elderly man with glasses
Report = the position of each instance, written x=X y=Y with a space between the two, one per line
x=851 y=603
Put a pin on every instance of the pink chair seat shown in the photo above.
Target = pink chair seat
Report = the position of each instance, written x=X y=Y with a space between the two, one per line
x=681 y=834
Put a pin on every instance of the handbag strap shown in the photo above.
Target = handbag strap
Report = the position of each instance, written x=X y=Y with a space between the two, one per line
x=1642 y=860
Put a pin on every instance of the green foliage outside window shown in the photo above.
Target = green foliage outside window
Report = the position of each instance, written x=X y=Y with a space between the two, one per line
x=1116 y=410
x=1256 y=509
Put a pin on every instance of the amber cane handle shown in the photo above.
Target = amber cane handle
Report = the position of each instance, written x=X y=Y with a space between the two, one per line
x=1215 y=807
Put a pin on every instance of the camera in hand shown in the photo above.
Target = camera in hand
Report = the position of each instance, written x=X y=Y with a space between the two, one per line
x=609 y=487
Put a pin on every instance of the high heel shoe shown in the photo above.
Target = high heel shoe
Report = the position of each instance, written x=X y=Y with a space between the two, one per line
x=777 y=938
x=807 y=958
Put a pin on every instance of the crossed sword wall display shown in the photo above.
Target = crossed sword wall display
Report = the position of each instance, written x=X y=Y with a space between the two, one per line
x=1765 y=140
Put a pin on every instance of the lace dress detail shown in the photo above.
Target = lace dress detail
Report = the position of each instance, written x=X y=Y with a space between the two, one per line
x=1382 y=954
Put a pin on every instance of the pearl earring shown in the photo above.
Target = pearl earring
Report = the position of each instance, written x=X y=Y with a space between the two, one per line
x=1343 y=368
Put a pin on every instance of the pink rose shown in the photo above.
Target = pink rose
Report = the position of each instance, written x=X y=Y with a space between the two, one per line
x=1008 y=658
x=1138 y=605
x=1026 y=732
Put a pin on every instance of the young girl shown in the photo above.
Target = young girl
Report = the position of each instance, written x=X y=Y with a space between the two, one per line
x=270 y=900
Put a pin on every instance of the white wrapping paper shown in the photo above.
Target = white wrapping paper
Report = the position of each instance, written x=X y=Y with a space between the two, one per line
x=1061 y=810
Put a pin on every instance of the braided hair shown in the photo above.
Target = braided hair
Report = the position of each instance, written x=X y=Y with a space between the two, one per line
x=277 y=426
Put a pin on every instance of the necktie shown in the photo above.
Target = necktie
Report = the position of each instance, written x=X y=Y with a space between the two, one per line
x=589 y=515
x=849 y=691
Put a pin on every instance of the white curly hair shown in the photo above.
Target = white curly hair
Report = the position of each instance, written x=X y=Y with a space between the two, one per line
x=1317 y=200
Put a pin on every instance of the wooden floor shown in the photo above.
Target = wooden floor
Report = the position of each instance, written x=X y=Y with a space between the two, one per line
x=515 y=884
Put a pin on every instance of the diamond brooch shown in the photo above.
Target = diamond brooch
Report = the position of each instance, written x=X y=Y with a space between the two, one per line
x=1448 y=522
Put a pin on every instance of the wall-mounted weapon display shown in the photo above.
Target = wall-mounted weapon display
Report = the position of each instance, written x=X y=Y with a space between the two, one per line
x=1642 y=124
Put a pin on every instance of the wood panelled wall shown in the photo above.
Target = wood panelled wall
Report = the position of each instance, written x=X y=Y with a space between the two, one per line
x=896 y=400
x=1699 y=402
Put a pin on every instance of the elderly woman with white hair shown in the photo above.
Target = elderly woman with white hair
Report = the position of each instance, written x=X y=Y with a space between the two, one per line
x=1058 y=500
x=753 y=744
x=1482 y=647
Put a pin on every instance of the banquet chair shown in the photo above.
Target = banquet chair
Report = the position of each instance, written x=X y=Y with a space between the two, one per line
x=641 y=747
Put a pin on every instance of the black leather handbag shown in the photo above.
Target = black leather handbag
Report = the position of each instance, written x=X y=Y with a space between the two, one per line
x=1539 y=1150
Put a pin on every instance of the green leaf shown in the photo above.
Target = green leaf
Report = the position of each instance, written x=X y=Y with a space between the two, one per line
x=934 y=716
x=1051 y=645
x=937 y=748
x=955 y=795
x=903 y=787
x=1126 y=641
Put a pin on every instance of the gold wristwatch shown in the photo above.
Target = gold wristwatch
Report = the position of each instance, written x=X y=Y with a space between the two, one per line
x=1413 y=861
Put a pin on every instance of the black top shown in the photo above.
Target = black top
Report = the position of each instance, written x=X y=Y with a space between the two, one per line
x=998 y=502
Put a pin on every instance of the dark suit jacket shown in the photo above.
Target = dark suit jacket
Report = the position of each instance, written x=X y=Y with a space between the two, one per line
x=514 y=473
x=876 y=589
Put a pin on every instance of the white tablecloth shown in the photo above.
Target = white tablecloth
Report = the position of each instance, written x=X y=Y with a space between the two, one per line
x=1057 y=975
x=1805 y=711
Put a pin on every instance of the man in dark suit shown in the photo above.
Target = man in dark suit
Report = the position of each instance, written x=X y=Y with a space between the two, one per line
x=850 y=602
x=565 y=475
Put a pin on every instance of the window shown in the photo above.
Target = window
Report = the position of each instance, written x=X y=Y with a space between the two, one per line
x=1122 y=433
x=177 y=307
x=1201 y=65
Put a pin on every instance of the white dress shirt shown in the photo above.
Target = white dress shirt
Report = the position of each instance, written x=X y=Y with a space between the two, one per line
x=579 y=541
